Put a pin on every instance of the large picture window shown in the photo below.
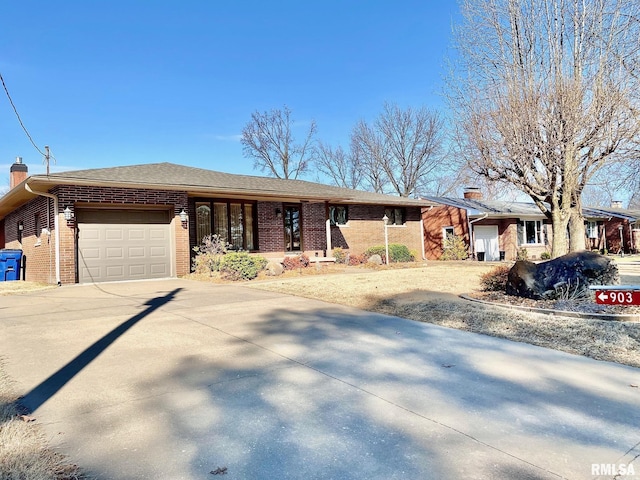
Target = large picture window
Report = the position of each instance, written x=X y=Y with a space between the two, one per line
x=232 y=221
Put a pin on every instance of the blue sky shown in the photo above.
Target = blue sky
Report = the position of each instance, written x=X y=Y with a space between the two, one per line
x=108 y=83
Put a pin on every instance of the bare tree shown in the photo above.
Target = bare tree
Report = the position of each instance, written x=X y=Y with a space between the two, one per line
x=401 y=150
x=268 y=139
x=338 y=165
x=369 y=153
x=545 y=94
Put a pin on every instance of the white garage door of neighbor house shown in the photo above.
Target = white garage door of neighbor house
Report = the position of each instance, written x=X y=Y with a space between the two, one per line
x=123 y=245
x=486 y=240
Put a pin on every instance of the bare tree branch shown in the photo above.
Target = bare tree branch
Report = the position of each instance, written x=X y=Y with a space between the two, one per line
x=545 y=95
x=268 y=139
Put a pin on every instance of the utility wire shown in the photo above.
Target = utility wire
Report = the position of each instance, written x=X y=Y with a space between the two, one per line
x=18 y=115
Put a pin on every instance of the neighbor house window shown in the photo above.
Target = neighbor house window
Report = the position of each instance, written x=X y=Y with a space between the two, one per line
x=233 y=222
x=396 y=216
x=530 y=232
x=338 y=215
x=592 y=229
x=447 y=232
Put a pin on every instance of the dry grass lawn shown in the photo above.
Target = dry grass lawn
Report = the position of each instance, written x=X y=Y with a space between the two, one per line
x=23 y=451
x=428 y=293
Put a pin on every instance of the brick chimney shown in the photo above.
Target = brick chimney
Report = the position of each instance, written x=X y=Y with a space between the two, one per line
x=17 y=173
x=473 y=193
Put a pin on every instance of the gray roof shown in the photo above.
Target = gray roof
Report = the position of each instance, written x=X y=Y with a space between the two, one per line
x=490 y=208
x=607 y=212
x=500 y=209
x=198 y=181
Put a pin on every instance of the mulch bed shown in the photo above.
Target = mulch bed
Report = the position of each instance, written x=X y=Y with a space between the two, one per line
x=581 y=305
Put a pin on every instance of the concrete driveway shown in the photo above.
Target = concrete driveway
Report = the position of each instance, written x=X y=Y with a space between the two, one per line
x=176 y=379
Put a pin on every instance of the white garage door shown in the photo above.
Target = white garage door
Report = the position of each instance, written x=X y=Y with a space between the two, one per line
x=123 y=245
x=486 y=240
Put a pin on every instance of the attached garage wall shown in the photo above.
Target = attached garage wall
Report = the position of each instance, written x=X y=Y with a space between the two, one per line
x=86 y=198
x=123 y=245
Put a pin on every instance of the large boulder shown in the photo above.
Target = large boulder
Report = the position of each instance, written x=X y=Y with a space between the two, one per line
x=570 y=274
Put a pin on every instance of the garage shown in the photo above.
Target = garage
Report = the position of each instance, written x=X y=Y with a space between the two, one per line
x=486 y=242
x=115 y=245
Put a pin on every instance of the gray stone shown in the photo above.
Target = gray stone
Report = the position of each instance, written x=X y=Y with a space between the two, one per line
x=566 y=276
x=274 y=269
x=377 y=259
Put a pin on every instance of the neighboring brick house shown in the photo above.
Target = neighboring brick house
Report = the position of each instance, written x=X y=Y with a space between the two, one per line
x=492 y=230
x=142 y=221
x=613 y=229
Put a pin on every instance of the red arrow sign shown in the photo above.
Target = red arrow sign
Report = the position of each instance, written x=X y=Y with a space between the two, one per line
x=618 y=297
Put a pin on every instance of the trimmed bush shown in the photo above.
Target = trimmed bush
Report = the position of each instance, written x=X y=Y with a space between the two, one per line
x=241 y=266
x=495 y=280
x=397 y=252
x=355 y=260
x=547 y=255
x=293 y=262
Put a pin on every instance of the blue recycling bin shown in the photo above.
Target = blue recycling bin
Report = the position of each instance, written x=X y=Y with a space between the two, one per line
x=10 y=264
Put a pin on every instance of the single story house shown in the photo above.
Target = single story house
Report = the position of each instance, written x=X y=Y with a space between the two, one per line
x=493 y=230
x=497 y=230
x=612 y=229
x=142 y=221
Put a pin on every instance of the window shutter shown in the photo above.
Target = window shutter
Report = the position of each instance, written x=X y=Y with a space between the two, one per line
x=520 y=232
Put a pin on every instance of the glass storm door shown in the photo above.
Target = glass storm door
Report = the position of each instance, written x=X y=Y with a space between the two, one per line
x=292 y=240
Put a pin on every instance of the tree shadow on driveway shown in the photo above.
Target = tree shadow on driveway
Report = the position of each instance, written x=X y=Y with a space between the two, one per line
x=331 y=392
x=42 y=392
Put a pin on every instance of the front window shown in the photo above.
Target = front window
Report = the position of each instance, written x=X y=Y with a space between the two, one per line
x=233 y=222
x=530 y=232
x=338 y=214
x=396 y=216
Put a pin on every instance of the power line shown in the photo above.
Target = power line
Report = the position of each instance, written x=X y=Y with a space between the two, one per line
x=18 y=116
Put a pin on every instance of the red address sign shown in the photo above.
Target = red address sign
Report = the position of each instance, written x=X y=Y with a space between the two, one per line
x=618 y=297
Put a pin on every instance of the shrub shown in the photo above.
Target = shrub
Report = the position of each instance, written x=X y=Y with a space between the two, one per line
x=545 y=256
x=397 y=252
x=376 y=250
x=522 y=254
x=209 y=254
x=339 y=255
x=454 y=248
x=241 y=266
x=495 y=280
x=355 y=260
x=293 y=262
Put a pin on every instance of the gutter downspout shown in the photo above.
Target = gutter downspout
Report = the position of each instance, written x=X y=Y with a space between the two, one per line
x=471 y=235
x=423 y=231
x=56 y=227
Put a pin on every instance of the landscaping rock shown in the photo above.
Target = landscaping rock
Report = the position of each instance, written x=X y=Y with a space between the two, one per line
x=377 y=259
x=566 y=277
x=274 y=269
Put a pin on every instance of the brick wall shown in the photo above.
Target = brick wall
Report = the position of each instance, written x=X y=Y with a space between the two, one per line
x=434 y=220
x=314 y=228
x=38 y=249
x=365 y=229
x=40 y=259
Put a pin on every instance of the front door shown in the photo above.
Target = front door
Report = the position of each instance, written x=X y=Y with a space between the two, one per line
x=292 y=238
